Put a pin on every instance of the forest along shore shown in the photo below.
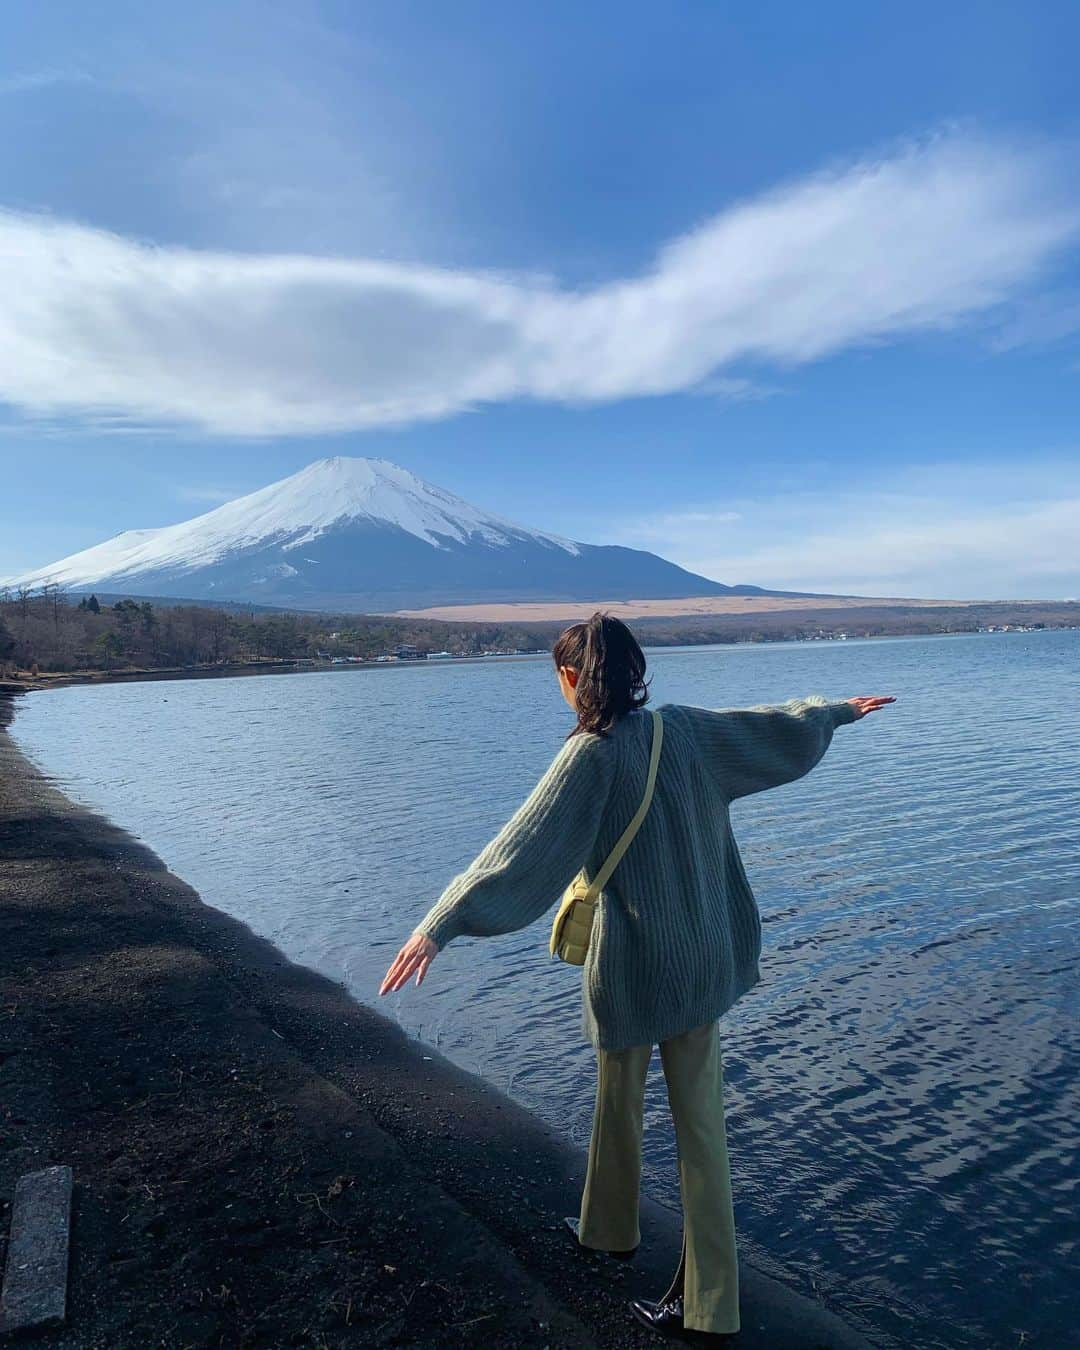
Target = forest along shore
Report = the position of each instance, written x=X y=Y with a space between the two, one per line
x=261 y=1160
x=45 y=635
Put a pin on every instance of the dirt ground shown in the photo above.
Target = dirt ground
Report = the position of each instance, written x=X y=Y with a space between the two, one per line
x=743 y=606
x=260 y=1160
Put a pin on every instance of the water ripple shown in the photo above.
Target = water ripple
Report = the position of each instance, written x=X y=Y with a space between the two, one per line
x=901 y=1089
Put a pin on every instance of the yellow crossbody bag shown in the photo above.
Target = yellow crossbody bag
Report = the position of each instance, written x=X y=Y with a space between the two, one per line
x=572 y=929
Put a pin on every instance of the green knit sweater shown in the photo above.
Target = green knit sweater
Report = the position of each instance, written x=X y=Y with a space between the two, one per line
x=677 y=933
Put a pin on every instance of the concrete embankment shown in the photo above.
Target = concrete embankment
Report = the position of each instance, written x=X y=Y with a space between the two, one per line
x=260 y=1160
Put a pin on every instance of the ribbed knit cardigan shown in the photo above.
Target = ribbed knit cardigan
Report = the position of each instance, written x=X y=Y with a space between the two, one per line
x=677 y=933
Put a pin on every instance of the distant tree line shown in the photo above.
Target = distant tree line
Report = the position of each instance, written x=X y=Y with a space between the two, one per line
x=45 y=630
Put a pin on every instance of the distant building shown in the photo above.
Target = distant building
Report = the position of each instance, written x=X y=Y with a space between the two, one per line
x=408 y=653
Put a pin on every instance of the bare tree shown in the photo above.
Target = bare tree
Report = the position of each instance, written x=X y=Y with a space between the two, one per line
x=51 y=593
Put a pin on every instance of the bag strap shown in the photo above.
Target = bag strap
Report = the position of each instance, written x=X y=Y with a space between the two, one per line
x=626 y=838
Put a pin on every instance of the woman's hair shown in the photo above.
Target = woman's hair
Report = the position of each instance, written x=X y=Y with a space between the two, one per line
x=611 y=671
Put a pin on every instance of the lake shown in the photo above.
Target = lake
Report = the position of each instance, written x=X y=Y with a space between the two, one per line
x=901 y=1088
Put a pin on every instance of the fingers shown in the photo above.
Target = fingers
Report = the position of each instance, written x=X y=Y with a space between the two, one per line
x=399 y=972
x=417 y=955
x=395 y=968
x=868 y=703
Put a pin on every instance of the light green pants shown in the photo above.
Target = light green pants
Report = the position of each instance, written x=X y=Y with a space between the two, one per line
x=708 y=1275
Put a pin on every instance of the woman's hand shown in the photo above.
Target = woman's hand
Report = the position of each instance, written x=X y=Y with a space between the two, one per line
x=417 y=954
x=865 y=705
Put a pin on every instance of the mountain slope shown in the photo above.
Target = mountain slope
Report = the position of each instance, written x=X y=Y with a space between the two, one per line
x=365 y=534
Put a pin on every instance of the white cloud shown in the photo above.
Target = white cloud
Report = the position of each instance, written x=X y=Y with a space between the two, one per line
x=96 y=324
x=949 y=531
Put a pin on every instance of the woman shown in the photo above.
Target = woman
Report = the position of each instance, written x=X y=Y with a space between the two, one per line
x=676 y=936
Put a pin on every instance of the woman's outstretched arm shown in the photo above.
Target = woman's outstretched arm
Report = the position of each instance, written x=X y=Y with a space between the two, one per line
x=527 y=866
x=750 y=749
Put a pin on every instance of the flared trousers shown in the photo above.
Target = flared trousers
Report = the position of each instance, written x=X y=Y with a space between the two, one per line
x=708 y=1275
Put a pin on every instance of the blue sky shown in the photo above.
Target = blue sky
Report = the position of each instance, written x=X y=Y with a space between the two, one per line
x=788 y=293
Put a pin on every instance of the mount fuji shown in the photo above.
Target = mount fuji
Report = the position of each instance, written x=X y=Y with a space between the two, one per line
x=365 y=534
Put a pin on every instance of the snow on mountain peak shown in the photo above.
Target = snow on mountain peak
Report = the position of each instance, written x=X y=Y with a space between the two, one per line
x=292 y=512
x=330 y=490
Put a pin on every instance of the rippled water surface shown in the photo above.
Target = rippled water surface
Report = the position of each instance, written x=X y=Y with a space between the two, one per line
x=902 y=1095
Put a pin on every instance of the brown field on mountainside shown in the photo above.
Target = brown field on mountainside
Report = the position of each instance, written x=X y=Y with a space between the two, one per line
x=541 y=611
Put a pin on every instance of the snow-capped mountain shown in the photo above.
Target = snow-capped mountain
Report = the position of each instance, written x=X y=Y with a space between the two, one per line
x=364 y=534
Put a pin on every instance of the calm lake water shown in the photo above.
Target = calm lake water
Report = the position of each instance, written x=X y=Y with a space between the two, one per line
x=902 y=1093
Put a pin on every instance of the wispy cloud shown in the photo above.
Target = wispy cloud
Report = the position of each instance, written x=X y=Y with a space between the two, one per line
x=946 y=531
x=1040 y=322
x=25 y=81
x=204 y=493
x=923 y=238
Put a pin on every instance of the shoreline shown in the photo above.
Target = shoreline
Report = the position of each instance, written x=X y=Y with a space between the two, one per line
x=261 y=1159
x=23 y=683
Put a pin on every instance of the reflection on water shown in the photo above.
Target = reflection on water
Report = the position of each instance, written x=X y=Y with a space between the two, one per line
x=901 y=1088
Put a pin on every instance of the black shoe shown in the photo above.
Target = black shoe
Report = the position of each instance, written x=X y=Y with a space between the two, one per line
x=667 y=1318
x=573 y=1225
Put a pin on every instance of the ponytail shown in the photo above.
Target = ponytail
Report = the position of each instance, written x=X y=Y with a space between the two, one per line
x=611 y=671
